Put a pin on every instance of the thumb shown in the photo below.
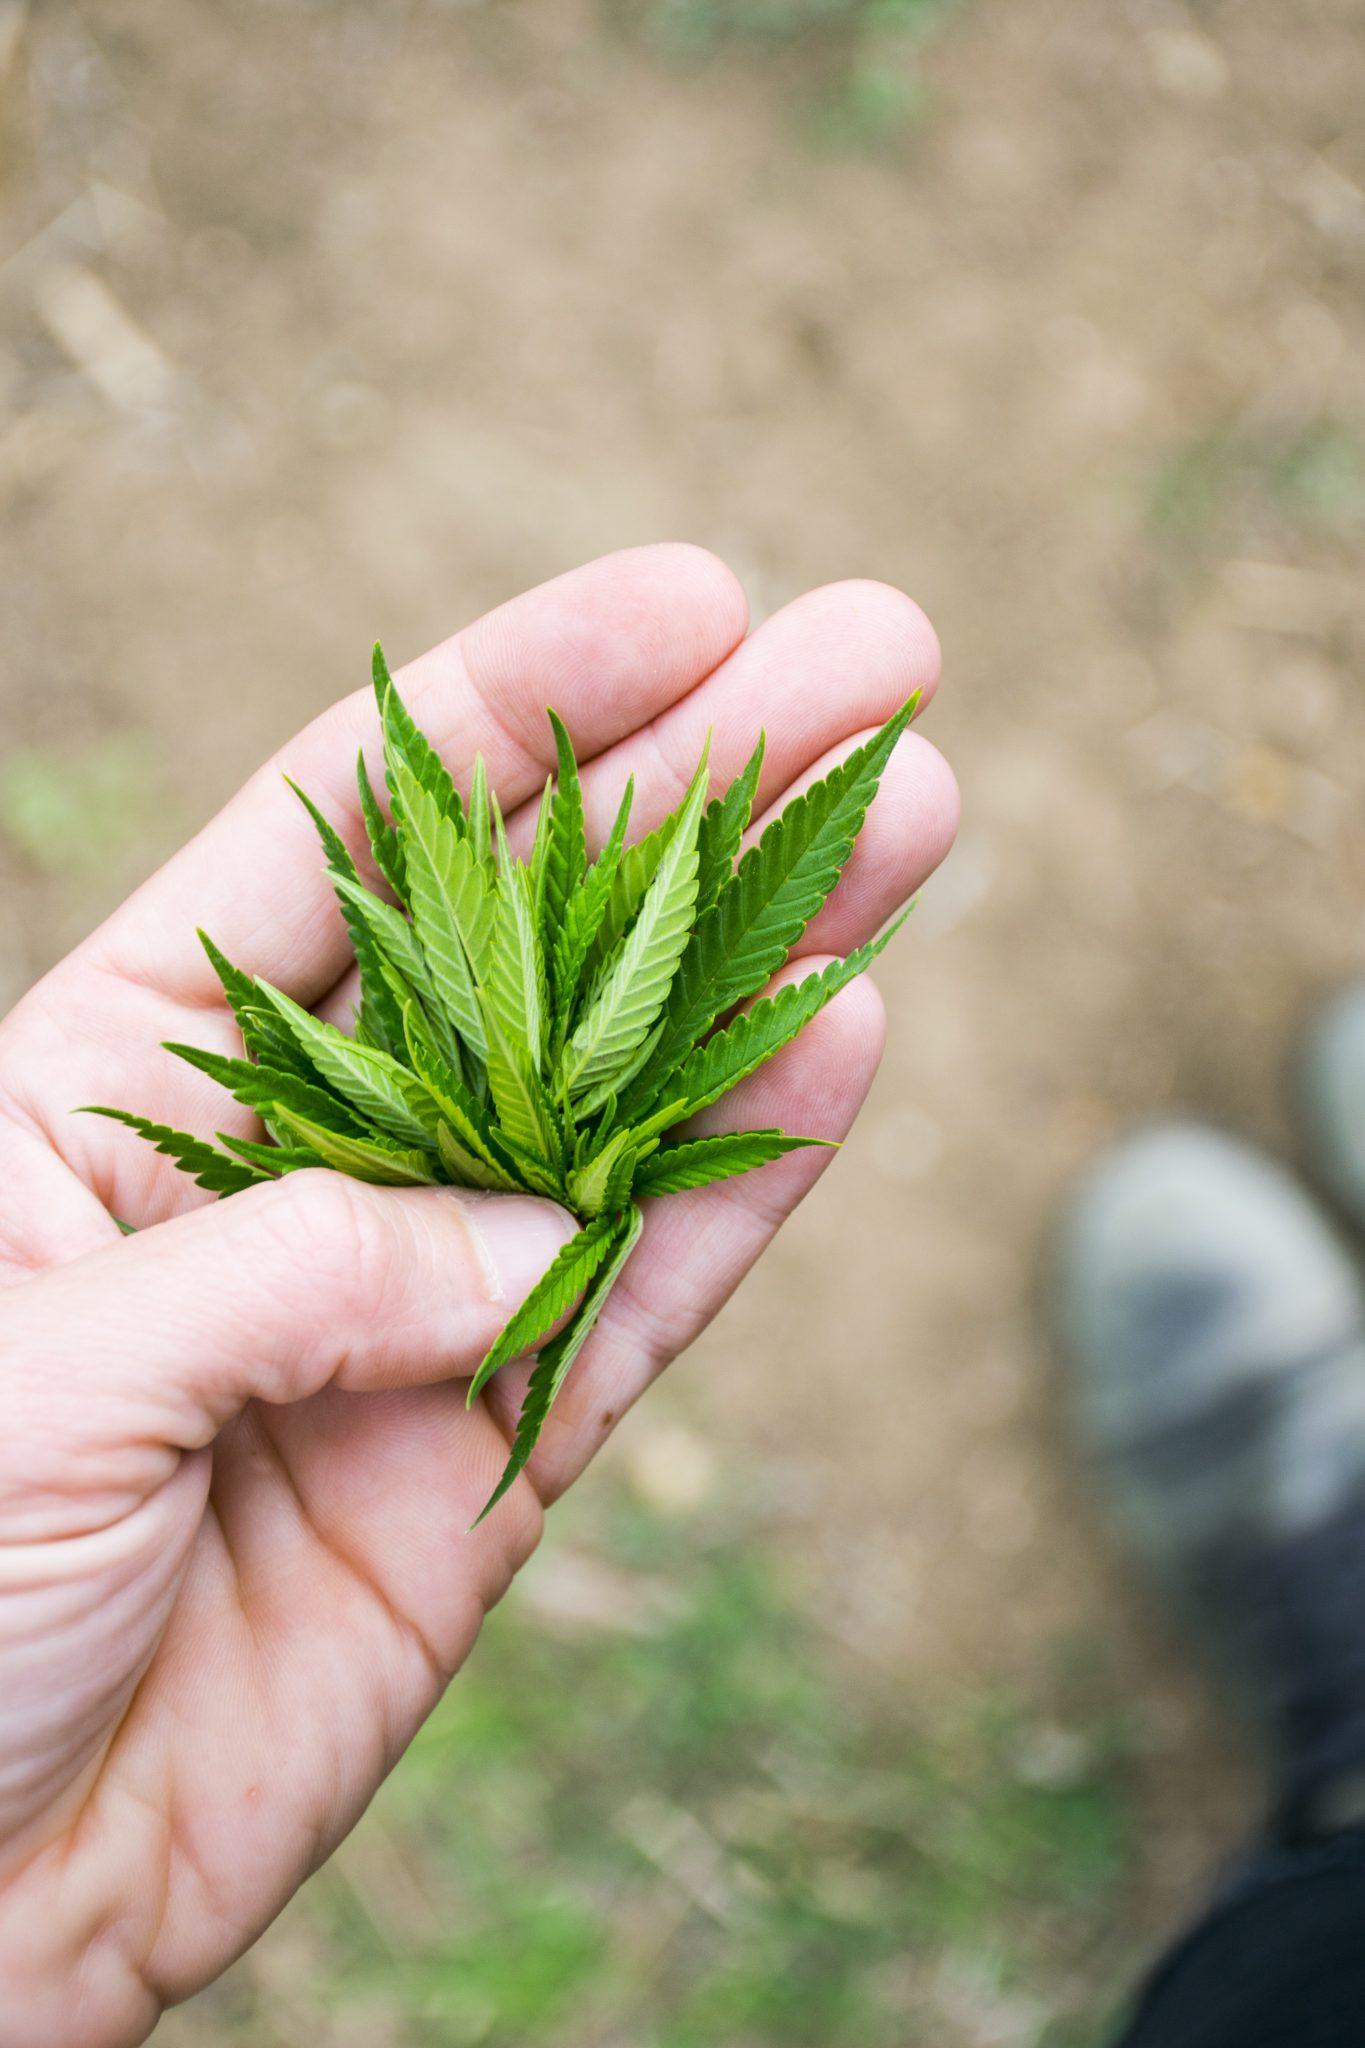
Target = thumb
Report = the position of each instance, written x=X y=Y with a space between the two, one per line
x=270 y=1296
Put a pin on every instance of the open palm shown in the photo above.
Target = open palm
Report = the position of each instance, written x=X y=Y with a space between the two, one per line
x=236 y=1468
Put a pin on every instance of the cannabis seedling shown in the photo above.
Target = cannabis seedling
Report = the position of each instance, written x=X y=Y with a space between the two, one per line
x=540 y=1025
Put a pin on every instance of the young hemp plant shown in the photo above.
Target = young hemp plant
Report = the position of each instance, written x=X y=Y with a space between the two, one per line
x=540 y=1025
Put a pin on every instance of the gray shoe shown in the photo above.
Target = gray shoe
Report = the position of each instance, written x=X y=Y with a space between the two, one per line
x=1330 y=1091
x=1215 y=1331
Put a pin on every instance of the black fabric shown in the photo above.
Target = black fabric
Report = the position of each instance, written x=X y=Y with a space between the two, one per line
x=1304 y=1600
x=1278 y=1962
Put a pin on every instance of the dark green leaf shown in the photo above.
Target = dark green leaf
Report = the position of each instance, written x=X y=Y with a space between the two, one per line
x=217 y=1171
x=263 y=1088
x=552 y=1367
x=558 y=1287
x=383 y=1018
x=722 y=829
x=755 y=1035
x=263 y=1035
x=696 y=1164
x=388 y=855
x=774 y=893
x=272 y=1159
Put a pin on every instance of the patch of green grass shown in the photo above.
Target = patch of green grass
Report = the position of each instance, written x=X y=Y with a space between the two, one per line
x=693 y=1828
x=1232 y=482
x=68 y=816
x=864 y=54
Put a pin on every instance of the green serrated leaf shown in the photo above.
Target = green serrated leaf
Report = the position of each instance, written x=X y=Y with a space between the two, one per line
x=524 y=1109
x=479 y=807
x=558 y=1287
x=263 y=1035
x=385 y=1093
x=697 y=1163
x=730 y=1055
x=604 y=1098
x=388 y=855
x=515 y=976
x=272 y=1159
x=591 y=1185
x=403 y=965
x=209 y=1168
x=630 y=991
x=635 y=870
x=464 y=1167
x=723 y=826
x=566 y=852
x=539 y=848
x=582 y=921
x=372 y=1159
x=463 y=1118
x=382 y=1018
x=552 y=1367
x=404 y=743
x=263 y=1088
x=776 y=890
x=452 y=906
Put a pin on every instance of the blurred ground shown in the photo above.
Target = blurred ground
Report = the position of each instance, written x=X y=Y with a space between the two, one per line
x=322 y=320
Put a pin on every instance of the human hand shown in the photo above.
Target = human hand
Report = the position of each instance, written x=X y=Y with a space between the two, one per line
x=236 y=1468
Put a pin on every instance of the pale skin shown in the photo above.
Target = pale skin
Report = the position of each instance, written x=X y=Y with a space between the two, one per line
x=236 y=1466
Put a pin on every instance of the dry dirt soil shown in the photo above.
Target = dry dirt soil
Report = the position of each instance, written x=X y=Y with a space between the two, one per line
x=322 y=320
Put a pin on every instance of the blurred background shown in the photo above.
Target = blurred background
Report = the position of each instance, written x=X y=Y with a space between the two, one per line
x=819 y=1718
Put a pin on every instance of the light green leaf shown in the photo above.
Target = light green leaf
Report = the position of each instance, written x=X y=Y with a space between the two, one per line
x=207 y=1166
x=515 y=975
x=384 y=1093
x=464 y=1120
x=552 y=1367
x=556 y=1290
x=768 y=902
x=583 y=914
x=402 y=963
x=479 y=806
x=452 y=906
x=755 y=1035
x=695 y=1165
x=371 y=1159
x=539 y=849
x=566 y=854
x=609 y=1091
x=464 y=1167
x=623 y=1004
x=405 y=743
x=524 y=1110
x=590 y=1184
x=635 y=871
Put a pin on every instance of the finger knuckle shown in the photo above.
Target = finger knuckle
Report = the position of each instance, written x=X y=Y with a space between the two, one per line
x=338 y=1230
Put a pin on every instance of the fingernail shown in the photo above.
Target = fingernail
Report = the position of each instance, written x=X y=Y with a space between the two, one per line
x=516 y=1237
